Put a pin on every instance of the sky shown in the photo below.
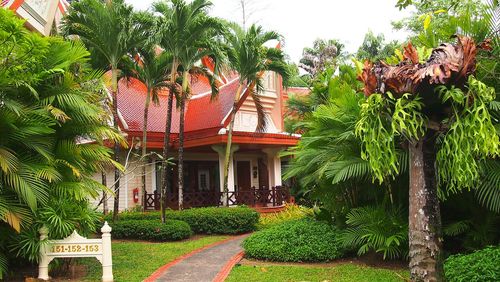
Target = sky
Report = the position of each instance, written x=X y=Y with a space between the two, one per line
x=300 y=22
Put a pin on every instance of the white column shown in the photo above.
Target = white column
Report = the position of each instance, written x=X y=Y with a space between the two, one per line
x=43 y=266
x=274 y=166
x=221 y=151
x=107 y=261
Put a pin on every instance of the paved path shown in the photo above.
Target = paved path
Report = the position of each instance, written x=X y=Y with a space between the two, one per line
x=205 y=265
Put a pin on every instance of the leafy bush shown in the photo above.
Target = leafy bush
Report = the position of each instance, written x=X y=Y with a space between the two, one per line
x=482 y=265
x=212 y=220
x=295 y=241
x=172 y=230
x=291 y=212
x=378 y=229
x=215 y=220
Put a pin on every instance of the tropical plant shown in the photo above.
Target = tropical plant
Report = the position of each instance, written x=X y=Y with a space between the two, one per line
x=324 y=54
x=152 y=70
x=107 y=28
x=51 y=111
x=189 y=34
x=251 y=59
x=376 y=229
x=327 y=160
x=375 y=48
x=418 y=103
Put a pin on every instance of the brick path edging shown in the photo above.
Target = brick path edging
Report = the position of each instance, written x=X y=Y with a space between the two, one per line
x=165 y=267
x=224 y=272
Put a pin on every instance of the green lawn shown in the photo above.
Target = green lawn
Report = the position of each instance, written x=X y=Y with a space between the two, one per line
x=337 y=273
x=135 y=261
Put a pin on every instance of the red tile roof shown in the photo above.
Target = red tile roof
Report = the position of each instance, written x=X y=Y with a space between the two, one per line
x=131 y=97
x=204 y=116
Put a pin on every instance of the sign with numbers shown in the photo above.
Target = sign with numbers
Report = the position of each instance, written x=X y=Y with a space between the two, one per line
x=77 y=246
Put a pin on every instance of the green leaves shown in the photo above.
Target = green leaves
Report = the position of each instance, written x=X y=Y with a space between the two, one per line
x=375 y=228
x=377 y=138
x=51 y=124
x=407 y=118
x=471 y=136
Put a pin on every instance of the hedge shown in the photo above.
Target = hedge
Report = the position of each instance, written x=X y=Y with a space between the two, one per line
x=211 y=220
x=303 y=240
x=482 y=265
x=151 y=230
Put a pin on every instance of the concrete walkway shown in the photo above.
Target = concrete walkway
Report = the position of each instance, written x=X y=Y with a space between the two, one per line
x=203 y=266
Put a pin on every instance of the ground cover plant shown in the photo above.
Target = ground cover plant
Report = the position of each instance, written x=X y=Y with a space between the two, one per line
x=135 y=261
x=337 y=273
x=303 y=240
x=153 y=230
x=481 y=265
x=211 y=220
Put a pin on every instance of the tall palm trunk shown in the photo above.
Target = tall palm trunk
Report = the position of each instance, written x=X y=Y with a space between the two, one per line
x=180 y=165
x=424 y=213
x=114 y=90
x=166 y=142
x=144 y=146
x=227 y=156
x=104 y=199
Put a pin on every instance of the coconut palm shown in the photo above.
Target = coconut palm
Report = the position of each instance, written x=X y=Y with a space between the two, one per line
x=152 y=70
x=250 y=58
x=108 y=29
x=189 y=34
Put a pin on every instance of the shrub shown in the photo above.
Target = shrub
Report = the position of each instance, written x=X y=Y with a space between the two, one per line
x=303 y=240
x=212 y=220
x=376 y=229
x=152 y=230
x=482 y=265
x=291 y=212
x=215 y=220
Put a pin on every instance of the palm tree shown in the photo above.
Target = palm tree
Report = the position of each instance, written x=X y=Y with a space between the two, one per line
x=250 y=58
x=153 y=71
x=51 y=106
x=189 y=34
x=109 y=30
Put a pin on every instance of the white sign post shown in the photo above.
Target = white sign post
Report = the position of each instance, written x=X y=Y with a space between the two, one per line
x=75 y=246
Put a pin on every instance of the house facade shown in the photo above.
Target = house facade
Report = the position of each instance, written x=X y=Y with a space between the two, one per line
x=42 y=16
x=255 y=163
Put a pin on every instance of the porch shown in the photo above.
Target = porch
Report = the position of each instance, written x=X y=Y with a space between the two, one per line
x=254 y=178
x=253 y=197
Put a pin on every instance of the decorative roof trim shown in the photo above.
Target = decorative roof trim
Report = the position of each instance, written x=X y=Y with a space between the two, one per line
x=201 y=95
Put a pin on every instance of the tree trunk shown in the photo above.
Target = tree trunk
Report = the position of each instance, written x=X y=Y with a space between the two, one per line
x=180 y=166
x=104 y=199
x=144 y=147
x=114 y=90
x=424 y=214
x=227 y=156
x=166 y=141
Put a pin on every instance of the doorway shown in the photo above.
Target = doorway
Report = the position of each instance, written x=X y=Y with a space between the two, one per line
x=243 y=178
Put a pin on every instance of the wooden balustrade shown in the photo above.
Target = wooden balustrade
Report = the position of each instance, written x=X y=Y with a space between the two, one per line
x=254 y=197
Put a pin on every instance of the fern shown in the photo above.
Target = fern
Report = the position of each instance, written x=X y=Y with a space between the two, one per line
x=376 y=229
x=488 y=191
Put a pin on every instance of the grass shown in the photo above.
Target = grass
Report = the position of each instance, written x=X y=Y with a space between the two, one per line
x=135 y=261
x=337 y=273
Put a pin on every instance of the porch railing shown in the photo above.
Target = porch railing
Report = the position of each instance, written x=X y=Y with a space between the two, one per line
x=254 y=197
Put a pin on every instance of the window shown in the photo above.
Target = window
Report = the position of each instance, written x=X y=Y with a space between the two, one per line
x=270 y=82
x=203 y=180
